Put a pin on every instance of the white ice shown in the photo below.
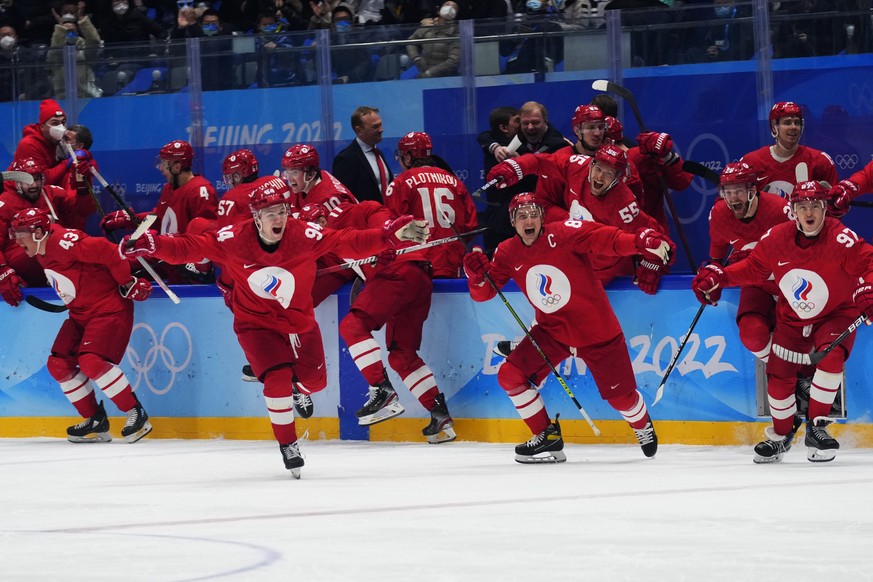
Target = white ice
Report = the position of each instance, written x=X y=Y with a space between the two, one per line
x=163 y=510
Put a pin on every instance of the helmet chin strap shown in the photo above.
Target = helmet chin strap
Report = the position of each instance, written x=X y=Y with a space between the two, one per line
x=39 y=241
x=752 y=207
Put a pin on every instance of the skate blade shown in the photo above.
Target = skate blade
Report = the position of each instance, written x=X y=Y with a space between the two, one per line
x=548 y=457
x=295 y=473
x=247 y=378
x=132 y=438
x=383 y=414
x=820 y=456
x=767 y=460
x=97 y=437
x=446 y=435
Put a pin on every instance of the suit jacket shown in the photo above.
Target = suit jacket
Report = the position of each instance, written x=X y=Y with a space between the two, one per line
x=351 y=167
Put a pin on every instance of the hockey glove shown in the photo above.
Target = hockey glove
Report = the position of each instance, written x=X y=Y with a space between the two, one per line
x=144 y=246
x=312 y=212
x=863 y=298
x=707 y=284
x=385 y=258
x=10 y=285
x=507 y=173
x=737 y=256
x=117 y=220
x=137 y=290
x=655 y=246
x=659 y=145
x=476 y=266
x=405 y=228
x=840 y=196
x=649 y=275
x=226 y=293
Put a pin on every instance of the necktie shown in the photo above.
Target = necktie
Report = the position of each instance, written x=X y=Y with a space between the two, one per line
x=383 y=171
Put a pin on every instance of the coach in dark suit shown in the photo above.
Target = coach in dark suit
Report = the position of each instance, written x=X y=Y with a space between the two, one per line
x=361 y=166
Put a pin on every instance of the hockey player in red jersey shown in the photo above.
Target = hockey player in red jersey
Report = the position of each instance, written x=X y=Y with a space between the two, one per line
x=97 y=288
x=398 y=295
x=861 y=182
x=184 y=197
x=550 y=264
x=16 y=196
x=785 y=163
x=240 y=172
x=816 y=263
x=740 y=217
x=272 y=261
x=309 y=183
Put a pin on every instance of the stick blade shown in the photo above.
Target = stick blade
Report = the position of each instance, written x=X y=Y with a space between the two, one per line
x=17 y=176
x=143 y=226
x=600 y=85
x=44 y=305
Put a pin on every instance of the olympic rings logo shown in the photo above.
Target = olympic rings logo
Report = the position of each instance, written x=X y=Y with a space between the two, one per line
x=861 y=96
x=462 y=175
x=804 y=306
x=552 y=299
x=846 y=161
x=143 y=366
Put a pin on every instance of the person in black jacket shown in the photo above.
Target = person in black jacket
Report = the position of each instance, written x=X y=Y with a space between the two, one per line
x=361 y=166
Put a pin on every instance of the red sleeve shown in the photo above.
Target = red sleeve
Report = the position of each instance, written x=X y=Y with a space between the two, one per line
x=864 y=179
x=100 y=251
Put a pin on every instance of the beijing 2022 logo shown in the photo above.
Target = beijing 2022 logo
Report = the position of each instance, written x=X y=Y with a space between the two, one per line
x=158 y=360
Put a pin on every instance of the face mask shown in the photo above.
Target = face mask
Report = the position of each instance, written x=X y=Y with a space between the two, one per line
x=723 y=11
x=57 y=132
x=342 y=25
x=210 y=29
x=270 y=28
x=448 y=13
x=534 y=5
x=72 y=37
x=68 y=16
x=119 y=9
x=7 y=42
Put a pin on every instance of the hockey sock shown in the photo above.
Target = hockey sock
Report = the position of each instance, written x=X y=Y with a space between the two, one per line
x=417 y=377
x=110 y=379
x=783 y=403
x=79 y=392
x=632 y=408
x=825 y=386
x=280 y=403
x=530 y=407
x=363 y=348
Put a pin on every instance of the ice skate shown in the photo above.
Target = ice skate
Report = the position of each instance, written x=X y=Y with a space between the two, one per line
x=137 y=425
x=248 y=375
x=774 y=448
x=91 y=430
x=820 y=446
x=648 y=439
x=504 y=348
x=292 y=458
x=546 y=447
x=382 y=405
x=302 y=403
x=440 y=429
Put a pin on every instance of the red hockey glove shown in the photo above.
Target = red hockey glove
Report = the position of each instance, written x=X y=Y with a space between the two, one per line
x=655 y=246
x=144 y=246
x=649 y=275
x=137 y=290
x=226 y=293
x=840 y=196
x=737 y=256
x=476 y=266
x=863 y=298
x=10 y=285
x=312 y=212
x=707 y=284
x=117 y=220
x=385 y=258
x=659 y=145
x=507 y=173
x=405 y=228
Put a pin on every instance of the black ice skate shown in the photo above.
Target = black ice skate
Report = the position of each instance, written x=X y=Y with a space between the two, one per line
x=440 y=429
x=382 y=405
x=137 y=425
x=91 y=430
x=302 y=403
x=820 y=446
x=648 y=439
x=504 y=348
x=292 y=458
x=248 y=375
x=546 y=447
x=774 y=448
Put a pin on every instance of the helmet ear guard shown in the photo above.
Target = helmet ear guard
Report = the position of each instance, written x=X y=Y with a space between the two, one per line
x=415 y=143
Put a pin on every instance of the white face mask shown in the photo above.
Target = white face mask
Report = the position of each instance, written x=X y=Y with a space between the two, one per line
x=448 y=13
x=57 y=132
x=119 y=9
x=7 y=42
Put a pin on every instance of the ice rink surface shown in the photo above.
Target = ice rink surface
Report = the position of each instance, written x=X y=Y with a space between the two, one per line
x=173 y=510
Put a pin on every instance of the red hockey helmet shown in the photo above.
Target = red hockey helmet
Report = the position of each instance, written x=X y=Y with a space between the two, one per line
x=613 y=157
x=28 y=220
x=238 y=166
x=809 y=190
x=178 y=151
x=415 y=143
x=614 y=130
x=738 y=173
x=785 y=109
x=30 y=166
x=271 y=193
x=585 y=113
x=312 y=212
x=301 y=157
x=524 y=200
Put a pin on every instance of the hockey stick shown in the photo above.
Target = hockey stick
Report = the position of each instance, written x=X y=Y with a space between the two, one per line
x=861 y=203
x=486 y=186
x=35 y=301
x=701 y=171
x=16 y=176
x=609 y=86
x=815 y=357
x=533 y=342
x=72 y=155
x=402 y=251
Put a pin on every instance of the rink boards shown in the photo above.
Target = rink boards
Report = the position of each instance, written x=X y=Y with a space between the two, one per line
x=184 y=363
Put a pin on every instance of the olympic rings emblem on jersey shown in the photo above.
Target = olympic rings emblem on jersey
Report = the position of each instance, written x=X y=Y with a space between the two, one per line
x=159 y=350
x=805 y=306
x=551 y=299
x=846 y=161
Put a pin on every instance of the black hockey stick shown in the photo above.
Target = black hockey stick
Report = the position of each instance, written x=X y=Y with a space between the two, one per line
x=700 y=170
x=815 y=357
x=861 y=203
x=536 y=346
x=609 y=86
x=34 y=301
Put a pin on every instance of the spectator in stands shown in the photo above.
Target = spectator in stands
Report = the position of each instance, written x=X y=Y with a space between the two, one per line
x=277 y=64
x=437 y=59
x=361 y=166
x=78 y=31
x=503 y=123
x=12 y=16
x=126 y=24
x=533 y=54
x=20 y=78
x=718 y=38
x=350 y=65
x=215 y=47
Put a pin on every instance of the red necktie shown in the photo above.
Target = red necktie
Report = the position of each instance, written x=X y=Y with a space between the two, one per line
x=383 y=171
